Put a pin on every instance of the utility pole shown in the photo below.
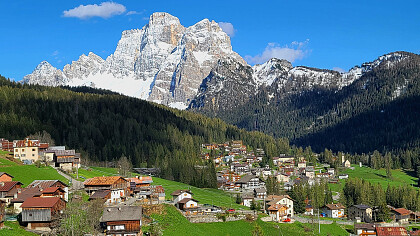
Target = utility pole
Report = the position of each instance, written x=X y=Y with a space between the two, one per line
x=319 y=224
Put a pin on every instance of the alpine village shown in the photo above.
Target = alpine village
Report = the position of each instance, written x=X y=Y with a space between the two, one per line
x=175 y=133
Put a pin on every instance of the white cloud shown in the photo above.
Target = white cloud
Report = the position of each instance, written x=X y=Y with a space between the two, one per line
x=227 y=28
x=296 y=51
x=104 y=10
x=341 y=70
x=55 y=53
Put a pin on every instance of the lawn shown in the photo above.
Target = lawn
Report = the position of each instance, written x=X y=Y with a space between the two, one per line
x=6 y=163
x=28 y=173
x=204 y=195
x=173 y=223
x=399 y=177
x=13 y=229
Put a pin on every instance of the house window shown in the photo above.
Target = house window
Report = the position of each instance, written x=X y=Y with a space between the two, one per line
x=119 y=227
x=23 y=150
x=16 y=150
x=33 y=149
x=30 y=214
x=33 y=155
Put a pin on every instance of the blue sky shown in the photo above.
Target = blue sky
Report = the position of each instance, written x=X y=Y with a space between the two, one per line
x=323 y=34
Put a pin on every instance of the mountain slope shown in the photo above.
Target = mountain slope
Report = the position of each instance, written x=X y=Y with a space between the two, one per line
x=348 y=118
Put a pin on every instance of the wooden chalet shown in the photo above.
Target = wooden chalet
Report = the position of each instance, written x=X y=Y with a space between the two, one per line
x=118 y=185
x=22 y=195
x=66 y=159
x=5 y=177
x=401 y=215
x=122 y=220
x=44 y=184
x=5 y=145
x=101 y=194
x=8 y=189
x=53 y=192
x=39 y=213
x=277 y=212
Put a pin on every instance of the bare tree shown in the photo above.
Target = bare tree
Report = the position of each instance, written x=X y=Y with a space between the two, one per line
x=43 y=136
x=124 y=166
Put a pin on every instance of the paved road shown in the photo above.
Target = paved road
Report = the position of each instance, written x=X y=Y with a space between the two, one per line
x=76 y=185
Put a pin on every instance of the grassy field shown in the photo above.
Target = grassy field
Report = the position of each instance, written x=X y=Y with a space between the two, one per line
x=399 y=177
x=173 y=223
x=203 y=195
x=13 y=229
x=28 y=173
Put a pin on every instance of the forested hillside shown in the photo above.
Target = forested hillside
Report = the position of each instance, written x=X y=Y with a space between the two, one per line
x=104 y=126
x=379 y=111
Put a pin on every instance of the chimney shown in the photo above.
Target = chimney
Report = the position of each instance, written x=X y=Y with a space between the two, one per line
x=2 y=184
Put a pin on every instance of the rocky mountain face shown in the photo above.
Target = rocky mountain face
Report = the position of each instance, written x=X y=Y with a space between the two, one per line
x=163 y=62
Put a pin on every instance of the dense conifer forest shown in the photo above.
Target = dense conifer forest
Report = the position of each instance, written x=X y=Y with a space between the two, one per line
x=103 y=126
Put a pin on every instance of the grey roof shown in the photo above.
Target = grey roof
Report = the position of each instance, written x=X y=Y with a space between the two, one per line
x=260 y=190
x=121 y=213
x=361 y=206
x=245 y=179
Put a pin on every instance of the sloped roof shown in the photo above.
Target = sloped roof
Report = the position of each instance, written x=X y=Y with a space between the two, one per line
x=44 y=183
x=52 y=190
x=185 y=200
x=337 y=206
x=180 y=191
x=121 y=213
x=276 y=207
x=402 y=211
x=38 y=202
x=245 y=179
x=4 y=173
x=27 y=193
x=7 y=186
x=394 y=231
x=361 y=206
x=103 y=180
x=101 y=194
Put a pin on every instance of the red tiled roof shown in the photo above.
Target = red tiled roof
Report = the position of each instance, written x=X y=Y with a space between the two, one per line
x=276 y=207
x=104 y=180
x=337 y=206
x=7 y=186
x=38 y=202
x=52 y=190
x=402 y=211
x=4 y=173
x=394 y=231
x=159 y=189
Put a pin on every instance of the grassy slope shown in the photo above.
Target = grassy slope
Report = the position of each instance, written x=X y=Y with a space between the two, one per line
x=399 y=177
x=28 y=173
x=175 y=224
x=204 y=195
x=13 y=229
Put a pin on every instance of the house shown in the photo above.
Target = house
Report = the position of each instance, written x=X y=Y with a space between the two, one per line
x=22 y=195
x=239 y=169
x=53 y=192
x=309 y=210
x=310 y=172
x=66 y=159
x=158 y=192
x=105 y=195
x=122 y=220
x=365 y=229
x=5 y=177
x=277 y=212
x=260 y=193
x=364 y=212
x=333 y=210
x=247 y=199
x=302 y=164
x=395 y=231
x=283 y=159
x=2 y=213
x=5 y=145
x=44 y=184
x=118 y=185
x=186 y=203
x=8 y=190
x=28 y=150
x=401 y=215
x=178 y=195
x=39 y=213
x=283 y=178
x=282 y=200
x=343 y=176
x=346 y=164
x=331 y=171
x=250 y=182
